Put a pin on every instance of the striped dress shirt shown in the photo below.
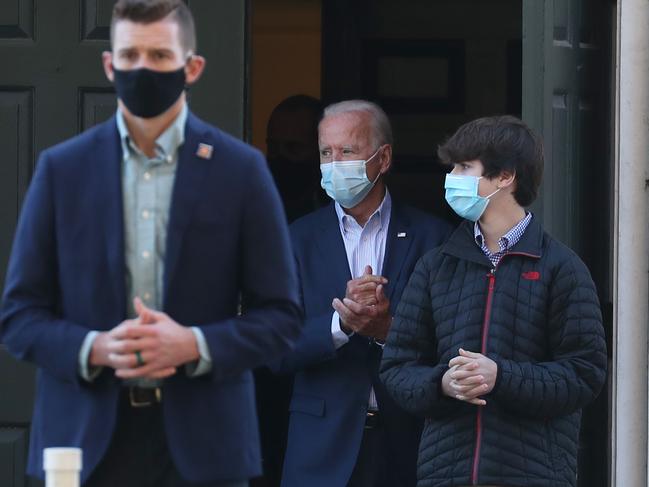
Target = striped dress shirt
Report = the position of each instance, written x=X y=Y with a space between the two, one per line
x=364 y=246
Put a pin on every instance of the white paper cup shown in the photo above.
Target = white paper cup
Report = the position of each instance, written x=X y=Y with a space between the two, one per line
x=62 y=466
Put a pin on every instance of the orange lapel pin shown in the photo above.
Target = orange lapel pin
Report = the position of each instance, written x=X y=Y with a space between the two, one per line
x=204 y=151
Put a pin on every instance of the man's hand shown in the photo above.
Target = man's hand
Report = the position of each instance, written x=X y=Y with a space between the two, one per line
x=367 y=320
x=162 y=343
x=362 y=290
x=470 y=376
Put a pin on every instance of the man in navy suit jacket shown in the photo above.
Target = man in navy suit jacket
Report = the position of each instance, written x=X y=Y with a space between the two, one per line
x=158 y=206
x=354 y=258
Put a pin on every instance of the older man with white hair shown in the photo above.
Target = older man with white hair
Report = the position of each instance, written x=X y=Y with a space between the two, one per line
x=354 y=259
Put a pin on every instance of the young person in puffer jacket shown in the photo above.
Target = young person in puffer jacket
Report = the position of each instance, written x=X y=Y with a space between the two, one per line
x=498 y=339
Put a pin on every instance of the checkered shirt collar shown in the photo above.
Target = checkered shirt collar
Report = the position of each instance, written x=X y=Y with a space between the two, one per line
x=505 y=242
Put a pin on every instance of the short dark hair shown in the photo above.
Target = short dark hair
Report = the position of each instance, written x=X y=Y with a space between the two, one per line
x=149 y=11
x=298 y=104
x=501 y=143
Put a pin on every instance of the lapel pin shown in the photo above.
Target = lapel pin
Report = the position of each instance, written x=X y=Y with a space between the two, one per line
x=401 y=234
x=204 y=151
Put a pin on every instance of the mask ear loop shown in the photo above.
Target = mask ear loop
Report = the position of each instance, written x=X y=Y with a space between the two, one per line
x=493 y=193
x=370 y=158
x=188 y=58
x=479 y=178
x=373 y=155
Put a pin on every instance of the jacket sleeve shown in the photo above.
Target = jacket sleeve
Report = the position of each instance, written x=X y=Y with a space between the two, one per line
x=576 y=371
x=314 y=346
x=271 y=320
x=31 y=328
x=409 y=367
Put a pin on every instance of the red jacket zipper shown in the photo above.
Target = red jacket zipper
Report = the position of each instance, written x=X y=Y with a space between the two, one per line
x=483 y=351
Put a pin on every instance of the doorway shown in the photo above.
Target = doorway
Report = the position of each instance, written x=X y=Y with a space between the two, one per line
x=431 y=65
x=436 y=65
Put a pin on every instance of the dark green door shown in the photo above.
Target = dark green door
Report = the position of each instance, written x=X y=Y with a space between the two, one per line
x=567 y=97
x=52 y=86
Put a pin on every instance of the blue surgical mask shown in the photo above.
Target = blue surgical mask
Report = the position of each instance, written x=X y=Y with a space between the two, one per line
x=346 y=181
x=462 y=195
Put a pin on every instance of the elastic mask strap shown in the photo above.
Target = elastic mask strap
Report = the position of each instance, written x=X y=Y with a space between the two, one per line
x=188 y=58
x=493 y=193
x=372 y=156
x=369 y=159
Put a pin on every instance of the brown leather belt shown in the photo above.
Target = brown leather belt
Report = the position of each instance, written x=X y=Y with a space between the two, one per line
x=144 y=397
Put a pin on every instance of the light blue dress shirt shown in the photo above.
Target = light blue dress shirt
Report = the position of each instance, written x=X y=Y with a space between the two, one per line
x=147 y=186
x=364 y=245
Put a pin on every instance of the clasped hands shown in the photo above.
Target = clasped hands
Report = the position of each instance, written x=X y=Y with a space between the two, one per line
x=162 y=343
x=470 y=376
x=365 y=309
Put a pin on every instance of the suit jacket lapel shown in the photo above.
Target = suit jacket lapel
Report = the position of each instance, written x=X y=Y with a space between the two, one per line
x=398 y=241
x=108 y=187
x=190 y=174
x=331 y=246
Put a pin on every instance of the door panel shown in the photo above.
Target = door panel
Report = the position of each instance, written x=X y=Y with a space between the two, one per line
x=17 y=19
x=13 y=451
x=16 y=127
x=54 y=88
x=567 y=62
x=17 y=385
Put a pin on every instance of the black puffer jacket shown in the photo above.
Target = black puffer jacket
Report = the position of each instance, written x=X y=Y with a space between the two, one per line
x=537 y=315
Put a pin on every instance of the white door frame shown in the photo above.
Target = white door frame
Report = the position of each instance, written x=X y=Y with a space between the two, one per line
x=628 y=374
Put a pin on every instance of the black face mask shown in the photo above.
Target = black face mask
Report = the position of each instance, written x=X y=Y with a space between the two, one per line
x=147 y=93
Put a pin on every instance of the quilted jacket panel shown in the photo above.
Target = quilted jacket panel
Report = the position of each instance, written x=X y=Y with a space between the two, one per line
x=544 y=331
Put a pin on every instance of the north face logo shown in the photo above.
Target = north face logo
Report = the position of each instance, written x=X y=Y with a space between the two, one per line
x=531 y=276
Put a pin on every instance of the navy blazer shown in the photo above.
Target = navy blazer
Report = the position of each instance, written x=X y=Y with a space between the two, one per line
x=227 y=238
x=332 y=387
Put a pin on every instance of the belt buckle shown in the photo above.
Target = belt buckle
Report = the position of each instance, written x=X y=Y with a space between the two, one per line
x=371 y=419
x=137 y=403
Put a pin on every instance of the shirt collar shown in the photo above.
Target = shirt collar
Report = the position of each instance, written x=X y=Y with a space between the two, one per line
x=383 y=212
x=508 y=240
x=167 y=142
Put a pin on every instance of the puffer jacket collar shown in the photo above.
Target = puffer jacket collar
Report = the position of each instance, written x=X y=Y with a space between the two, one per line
x=461 y=243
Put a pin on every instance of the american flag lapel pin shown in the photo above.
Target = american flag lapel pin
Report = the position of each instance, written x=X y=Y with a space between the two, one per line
x=401 y=235
x=204 y=151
